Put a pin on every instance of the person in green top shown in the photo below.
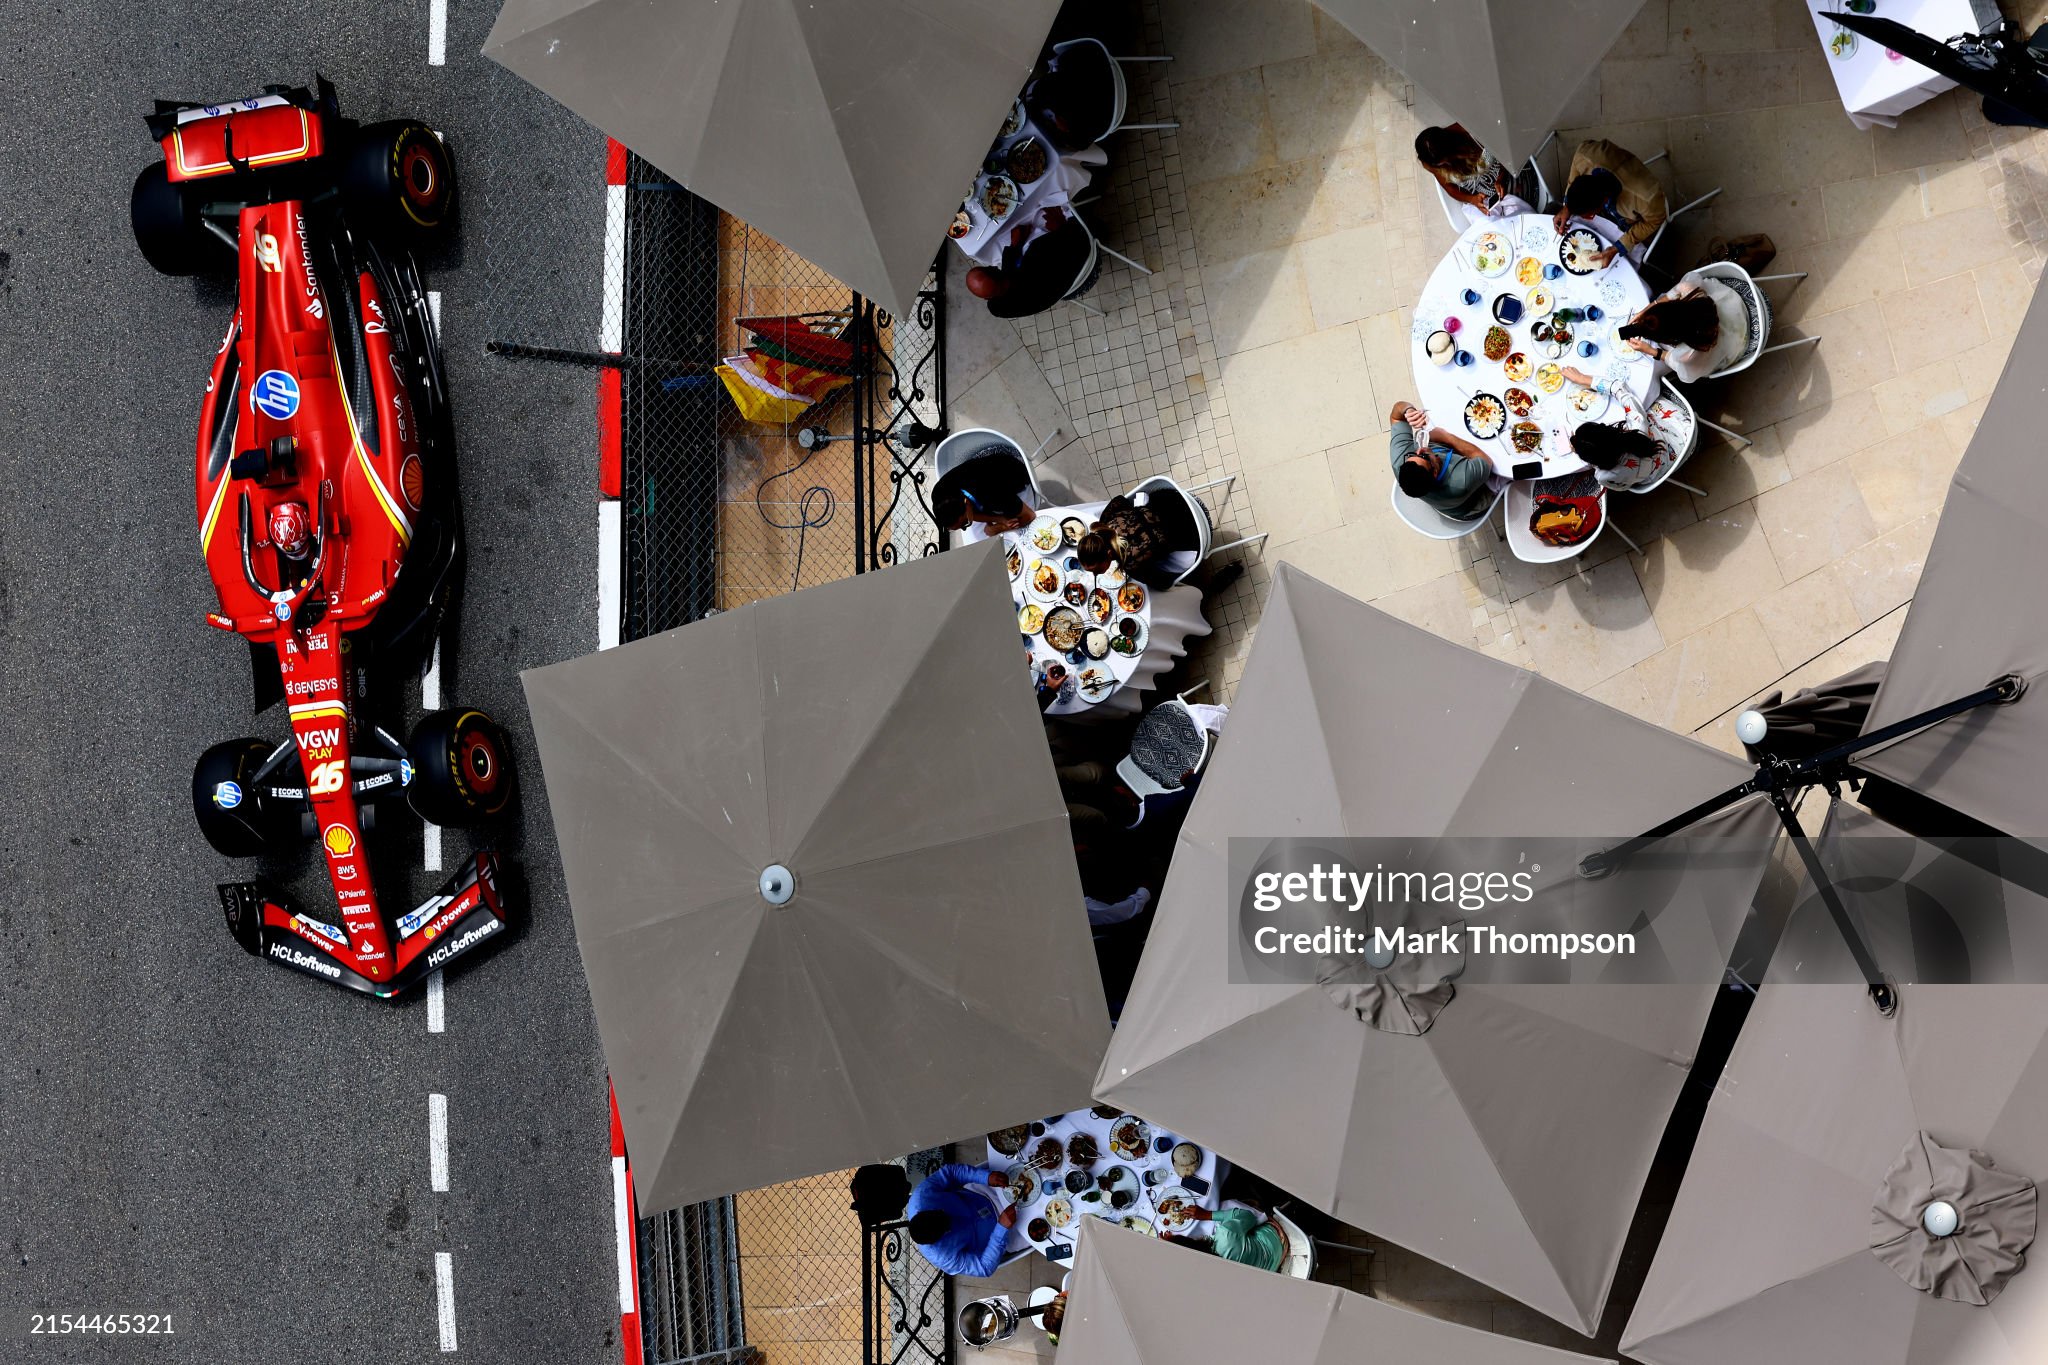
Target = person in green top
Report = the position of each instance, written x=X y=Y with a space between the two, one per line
x=1241 y=1233
x=1433 y=466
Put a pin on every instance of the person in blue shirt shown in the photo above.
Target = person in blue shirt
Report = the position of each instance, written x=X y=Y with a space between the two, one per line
x=954 y=1222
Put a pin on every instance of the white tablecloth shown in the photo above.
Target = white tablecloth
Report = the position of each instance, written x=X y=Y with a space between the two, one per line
x=1066 y=177
x=1171 y=617
x=1878 y=85
x=1442 y=390
x=1059 y=1244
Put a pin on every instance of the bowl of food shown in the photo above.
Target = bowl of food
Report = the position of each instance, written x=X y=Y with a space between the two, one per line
x=1187 y=1159
x=1059 y=1212
x=1013 y=123
x=1048 y=1155
x=1526 y=437
x=1074 y=594
x=1095 y=642
x=1439 y=347
x=1030 y=620
x=1101 y=606
x=1520 y=402
x=1083 y=1150
x=1043 y=535
x=1496 y=344
x=998 y=196
x=1072 y=529
x=1550 y=378
x=1026 y=161
x=962 y=224
x=1529 y=270
x=1485 y=416
x=1518 y=366
x=1009 y=1141
x=1128 y=638
x=1063 y=628
x=1131 y=597
x=1039 y=1229
x=1577 y=249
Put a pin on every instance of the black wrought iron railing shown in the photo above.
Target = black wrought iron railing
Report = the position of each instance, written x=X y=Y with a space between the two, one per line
x=908 y=1306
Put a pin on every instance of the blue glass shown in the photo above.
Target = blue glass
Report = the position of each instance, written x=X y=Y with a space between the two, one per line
x=1593 y=313
x=1552 y=271
x=1587 y=348
x=1463 y=358
x=1471 y=297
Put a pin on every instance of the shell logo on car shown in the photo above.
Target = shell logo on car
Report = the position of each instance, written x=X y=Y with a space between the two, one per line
x=339 y=841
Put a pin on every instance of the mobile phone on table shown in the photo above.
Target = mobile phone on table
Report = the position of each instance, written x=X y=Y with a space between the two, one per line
x=1528 y=469
x=1194 y=1184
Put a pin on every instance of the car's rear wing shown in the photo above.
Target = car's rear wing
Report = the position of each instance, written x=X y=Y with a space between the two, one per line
x=276 y=128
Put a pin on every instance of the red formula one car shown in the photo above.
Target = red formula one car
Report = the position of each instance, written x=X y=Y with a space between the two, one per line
x=327 y=514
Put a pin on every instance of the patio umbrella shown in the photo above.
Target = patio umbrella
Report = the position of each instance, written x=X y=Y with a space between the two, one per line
x=1840 y=1145
x=847 y=131
x=1979 y=612
x=822 y=879
x=1506 y=1132
x=1137 y=1301
x=1815 y=719
x=1503 y=68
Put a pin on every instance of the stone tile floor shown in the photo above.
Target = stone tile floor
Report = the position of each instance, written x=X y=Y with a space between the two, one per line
x=1289 y=231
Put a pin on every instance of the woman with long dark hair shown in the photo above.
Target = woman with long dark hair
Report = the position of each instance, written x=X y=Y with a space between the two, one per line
x=1468 y=172
x=1694 y=329
x=1622 y=457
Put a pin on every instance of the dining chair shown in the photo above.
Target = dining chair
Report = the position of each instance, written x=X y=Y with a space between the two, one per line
x=1675 y=425
x=1517 y=505
x=1204 y=526
x=1672 y=215
x=1169 y=741
x=1420 y=516
x=1093 y=60
x=984 y=443
x=1091 y=268
x=1758 y=309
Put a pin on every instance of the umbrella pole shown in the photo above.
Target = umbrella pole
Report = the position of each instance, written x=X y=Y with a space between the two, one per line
x=2005 y=689
x=1881 y=992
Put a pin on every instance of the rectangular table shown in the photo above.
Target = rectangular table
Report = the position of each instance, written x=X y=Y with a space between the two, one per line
x=1877 y=86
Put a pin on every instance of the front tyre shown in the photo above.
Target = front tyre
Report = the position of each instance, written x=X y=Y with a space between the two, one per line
x=398 y=178
x=230 y=814
x=462 y=768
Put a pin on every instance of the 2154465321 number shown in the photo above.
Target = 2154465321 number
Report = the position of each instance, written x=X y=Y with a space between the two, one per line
x=102 y=1324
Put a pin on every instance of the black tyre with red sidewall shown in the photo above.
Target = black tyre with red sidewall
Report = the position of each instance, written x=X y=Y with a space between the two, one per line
x=462 y=768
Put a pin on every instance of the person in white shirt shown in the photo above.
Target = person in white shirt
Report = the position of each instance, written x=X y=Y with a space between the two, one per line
x=1694 y=329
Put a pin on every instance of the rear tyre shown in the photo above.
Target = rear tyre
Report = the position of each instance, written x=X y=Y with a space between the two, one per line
x=398 y=178
x=461 y=768
x=229 y=812
x=167 y=226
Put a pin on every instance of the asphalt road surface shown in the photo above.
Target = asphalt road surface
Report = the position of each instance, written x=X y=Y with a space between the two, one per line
x=183 y=1129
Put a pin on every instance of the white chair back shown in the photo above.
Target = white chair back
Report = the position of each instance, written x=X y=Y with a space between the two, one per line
x=1300 y=1260
x=1087 y=274
x=983 y=443
x=1523 y=542
x=1454 y=212
x=1120 y=99
x=1672 y=421
x=1422 y=517
x=1754 y=305
x=1205 y=529
x=1142 y=783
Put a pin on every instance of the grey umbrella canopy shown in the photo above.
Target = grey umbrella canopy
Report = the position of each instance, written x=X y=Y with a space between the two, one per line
x=1980 y=612
x=1503 y=68
x=1137 y=1301
x=930 y=976
x=846 y=131
x=1798 y=1234
x=1511 y=1138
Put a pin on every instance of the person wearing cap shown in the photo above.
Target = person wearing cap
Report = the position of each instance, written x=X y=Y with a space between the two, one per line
x=959 y=1220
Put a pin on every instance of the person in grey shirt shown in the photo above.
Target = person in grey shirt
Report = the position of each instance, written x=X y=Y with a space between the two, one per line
x=1431 y=465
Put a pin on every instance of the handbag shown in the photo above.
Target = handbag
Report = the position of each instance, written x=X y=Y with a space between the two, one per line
x=1560 y=521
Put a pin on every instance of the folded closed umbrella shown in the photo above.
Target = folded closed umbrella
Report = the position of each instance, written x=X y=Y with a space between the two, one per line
x=1504 y=1129
x=848 y=131
x=1815 y=719
x=1137 y=1301
x=1978 y=613
x=1863 y=1186
x=1503 y=68
x=822 y=879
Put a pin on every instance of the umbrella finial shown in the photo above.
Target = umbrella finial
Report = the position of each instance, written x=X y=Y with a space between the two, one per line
x=778 y=884
x=1940 y=1219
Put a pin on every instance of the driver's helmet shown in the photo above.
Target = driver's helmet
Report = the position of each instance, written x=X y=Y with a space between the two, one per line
x=290 y=531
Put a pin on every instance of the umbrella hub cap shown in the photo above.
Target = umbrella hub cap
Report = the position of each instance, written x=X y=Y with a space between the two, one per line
x=778 y=884
x=1950 y=1223
x=1394 y=991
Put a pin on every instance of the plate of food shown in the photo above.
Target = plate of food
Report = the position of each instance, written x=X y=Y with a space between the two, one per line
x=1842 y=46
x=962 y=224
x=1526 y=437
x=1072 y=529
x=1043 y=535
x=1117 y=1187
x=1142 y=1226
x=1130 y=1136
x=1014 y=562
x=1131 y=597
x=1174 y=1208
x=1083 y=1150
x=1187 y=1159
x=1043 y=580
x=1529 y=270
x=1015 y=122
x=1009 y=1141
x=1485 y=415
x=1097 y=683
x=1540 y=301
x=1030 y=620
x=1128 y=638
x=1497 y=344
x=998 y=196
x=1074 y=594
x=1492 y=254
x=1101 y=606
x=1095 y=642
x=1059 y=1211
x=1023 y=1185
x=1587 y=404
x=1550 y=378
x=1518 y=366
x=1063 y=628
x=1520 y=402
x=1576 y=249
x=1047 y=1154
x=1027 y=160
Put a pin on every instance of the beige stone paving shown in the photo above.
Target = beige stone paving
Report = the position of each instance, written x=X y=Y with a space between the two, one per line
x=1290 y=231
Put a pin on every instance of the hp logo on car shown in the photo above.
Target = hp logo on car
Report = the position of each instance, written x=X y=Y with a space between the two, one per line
x=227 y=795
x=275 y=394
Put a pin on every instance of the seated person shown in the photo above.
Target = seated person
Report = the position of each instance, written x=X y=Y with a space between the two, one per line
x=1036 y=272
x=991 y=491
x=1609 y=181
x=1623 y=454
x=1140 y=533
x=1449 y=473
x=954 y=1219
x=1073 y=101
x=1239 y=1233
x=1694 y=329
x=1468 y=172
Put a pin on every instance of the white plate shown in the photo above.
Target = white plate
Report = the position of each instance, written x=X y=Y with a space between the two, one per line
x=1042 y=537
x=1585 y=405
x=1030 y=581
x=1492 y=254
x=1165 y=1222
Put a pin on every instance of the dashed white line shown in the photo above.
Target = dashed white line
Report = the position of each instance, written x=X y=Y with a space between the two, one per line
x=444 y=1295
x=612 y=324
x=430 y=685
x=434 y=311
x=437 y=1142
x=623 y=1224
x=437 y=33
x=430 y=848
x=608 y=609
x=437 y=1001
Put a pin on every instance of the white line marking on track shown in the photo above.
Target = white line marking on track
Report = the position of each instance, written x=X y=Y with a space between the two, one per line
x=625 y=1231
x=430 y=685
x=437 y=32
x=437 y=1142
x=608 y=573
x=444 y=1295
x=434 y=310
x=437 y=1001
x=430 y=847
x=611 y=329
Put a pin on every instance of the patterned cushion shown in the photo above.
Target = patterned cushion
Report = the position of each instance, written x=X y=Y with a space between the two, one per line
x=1166 y=744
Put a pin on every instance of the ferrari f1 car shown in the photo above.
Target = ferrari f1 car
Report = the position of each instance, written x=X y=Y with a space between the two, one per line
x=327 y=515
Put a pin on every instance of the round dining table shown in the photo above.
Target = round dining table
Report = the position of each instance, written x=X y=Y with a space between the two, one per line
x=1158 y=1169
x=1065 y=177
x=1508 y=257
